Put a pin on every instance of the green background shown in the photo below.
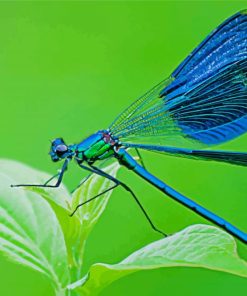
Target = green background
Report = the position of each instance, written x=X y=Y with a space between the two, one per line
x=67 y=69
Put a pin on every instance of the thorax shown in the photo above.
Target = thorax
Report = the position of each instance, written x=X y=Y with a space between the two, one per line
x=98 y=146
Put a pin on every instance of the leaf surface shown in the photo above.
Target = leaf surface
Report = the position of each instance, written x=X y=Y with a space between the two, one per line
x=196 y=246
x=30 y=233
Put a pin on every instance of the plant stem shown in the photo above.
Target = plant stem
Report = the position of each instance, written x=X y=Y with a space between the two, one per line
x=66 y=292
x=61 y=292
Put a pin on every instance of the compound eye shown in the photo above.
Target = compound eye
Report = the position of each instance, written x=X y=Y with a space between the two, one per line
x=60 y=149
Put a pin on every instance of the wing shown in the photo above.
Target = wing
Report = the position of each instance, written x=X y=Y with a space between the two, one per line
x=204 y=102
x=237 y=158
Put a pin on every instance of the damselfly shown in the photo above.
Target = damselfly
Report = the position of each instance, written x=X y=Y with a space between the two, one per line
x=202 y=103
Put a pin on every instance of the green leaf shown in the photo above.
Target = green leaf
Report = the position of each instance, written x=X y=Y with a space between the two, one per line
x=58 y=198
x=77 y=228
x=196 y=246
x=30 y=233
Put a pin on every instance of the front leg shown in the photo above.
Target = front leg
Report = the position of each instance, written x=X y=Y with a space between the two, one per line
x=46 y=185
x=52 y=178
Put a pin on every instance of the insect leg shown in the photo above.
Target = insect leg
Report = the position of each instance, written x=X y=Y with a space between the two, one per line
x=93 y=171
x=86 y=178
x=140 y=157
x=127 y=188
x=53 y=177
x=60 y=177
x=81 y=183
x=92 y=198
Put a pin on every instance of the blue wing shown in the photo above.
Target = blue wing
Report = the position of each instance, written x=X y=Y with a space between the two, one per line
x=215 y=110
x=203 y=103
x=223 y=46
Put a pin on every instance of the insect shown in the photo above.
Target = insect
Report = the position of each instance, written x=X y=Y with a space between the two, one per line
x=202 y=103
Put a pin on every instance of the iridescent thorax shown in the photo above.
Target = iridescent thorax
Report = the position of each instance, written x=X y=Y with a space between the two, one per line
x=98 y=146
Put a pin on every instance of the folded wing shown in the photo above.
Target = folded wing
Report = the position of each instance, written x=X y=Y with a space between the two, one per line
x=237 y=158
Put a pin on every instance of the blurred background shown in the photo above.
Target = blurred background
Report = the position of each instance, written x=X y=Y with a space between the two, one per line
x=67 y=69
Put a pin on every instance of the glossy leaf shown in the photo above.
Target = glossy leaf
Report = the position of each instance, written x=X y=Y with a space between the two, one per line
x=196 y=246
x=58 y=198
x=30 y=233
x=77 y=228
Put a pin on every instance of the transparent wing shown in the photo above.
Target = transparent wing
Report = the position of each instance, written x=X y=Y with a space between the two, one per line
x=204 y=102
x=137 y=108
